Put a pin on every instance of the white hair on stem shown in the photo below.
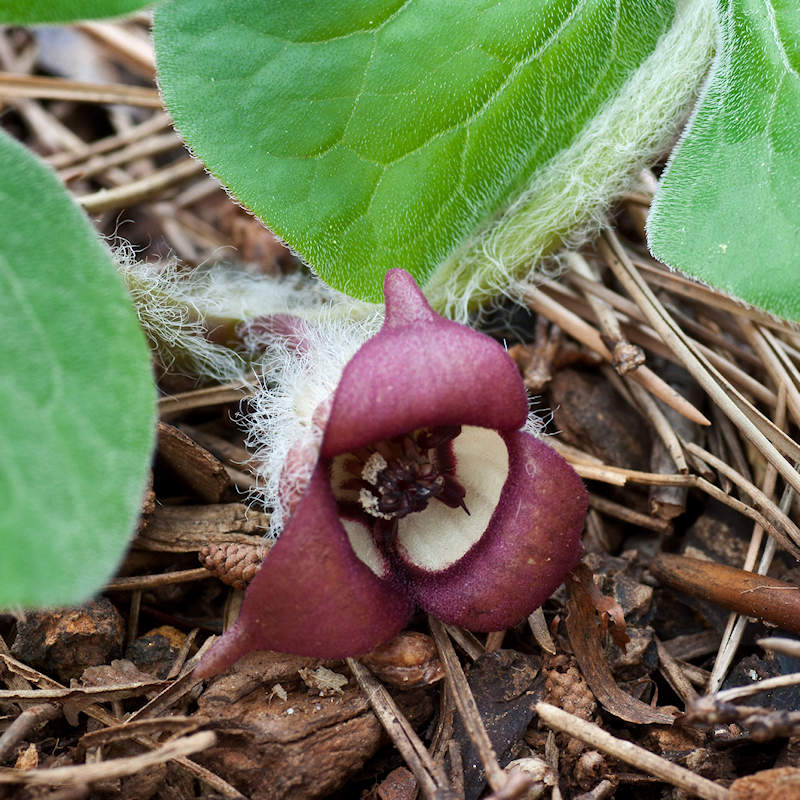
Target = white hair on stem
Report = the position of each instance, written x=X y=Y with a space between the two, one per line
x=181 y=309
x=565 y=200
x=293 y=384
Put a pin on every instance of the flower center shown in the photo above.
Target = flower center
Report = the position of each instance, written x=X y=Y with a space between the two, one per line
x=400 y=476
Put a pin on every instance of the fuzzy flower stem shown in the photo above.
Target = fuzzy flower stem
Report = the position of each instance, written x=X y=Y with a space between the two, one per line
x=566 y=199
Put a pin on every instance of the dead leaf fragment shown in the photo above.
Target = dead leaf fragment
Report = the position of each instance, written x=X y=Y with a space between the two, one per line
x=28 y=758
x=202 y=472
x=307 y=745
x=325 y=682
x=584 y=635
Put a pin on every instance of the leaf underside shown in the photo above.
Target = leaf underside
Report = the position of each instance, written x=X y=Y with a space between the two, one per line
x=77 y=400
x=29 y=12
x=380 y=134
x=728 y=210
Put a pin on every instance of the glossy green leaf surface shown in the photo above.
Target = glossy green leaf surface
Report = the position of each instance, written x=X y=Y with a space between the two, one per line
x=728 y=210
x=381 y=133
x=31 y=12
x=77 y=401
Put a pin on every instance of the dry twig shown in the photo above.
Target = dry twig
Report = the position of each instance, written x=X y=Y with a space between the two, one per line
x=429 y=774
x=632 y=754
x=465 y=703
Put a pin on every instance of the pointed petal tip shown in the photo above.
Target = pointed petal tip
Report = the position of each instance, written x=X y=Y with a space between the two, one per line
x=422 y=370
x=224 y=653
x=405 y=302
x=312 y=596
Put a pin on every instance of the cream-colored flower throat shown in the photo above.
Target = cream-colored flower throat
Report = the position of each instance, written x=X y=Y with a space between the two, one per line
x=401 y=504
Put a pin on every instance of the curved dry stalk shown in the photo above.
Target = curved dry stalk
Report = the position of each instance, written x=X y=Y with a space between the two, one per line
x=625 y=356
x=741 y=379
x=151 y=146
x=465 y=703
x=611 y=509
x=632 y=754
x=589 y=336
x=35 y=86
x=767 y=685
x=758 y=497
x=143 y=189
x=138 y=582
x=783 y=373
x=661 y=424
x=619 y=476
x=735 y=626
x=157 y=122
x=29 y=720
x=112 y=768
x=659 y=276
x=738 y=623
x=222 y=394
x=430 y=775
x=640 y=333
x=790 y=647
x=540 y=631
x=771 y=442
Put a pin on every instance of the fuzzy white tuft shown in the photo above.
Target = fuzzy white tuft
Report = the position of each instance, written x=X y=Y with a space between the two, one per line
x=168 y=302
x=181 y=308
x=566 y=199
x=536 y=422
x=292 y=386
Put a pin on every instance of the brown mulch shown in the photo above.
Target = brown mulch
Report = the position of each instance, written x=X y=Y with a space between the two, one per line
x=609 y=691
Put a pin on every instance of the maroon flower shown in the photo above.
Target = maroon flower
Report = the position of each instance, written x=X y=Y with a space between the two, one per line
x=425 y=492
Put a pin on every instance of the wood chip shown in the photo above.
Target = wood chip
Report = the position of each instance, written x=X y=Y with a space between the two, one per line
x=195 y=466
x=187 y=529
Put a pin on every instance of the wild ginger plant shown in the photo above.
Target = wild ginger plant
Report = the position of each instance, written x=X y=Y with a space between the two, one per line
x=463 y=144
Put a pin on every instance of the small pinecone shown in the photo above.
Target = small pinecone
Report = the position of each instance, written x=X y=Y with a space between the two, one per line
x=234 y=564
x=567 y=689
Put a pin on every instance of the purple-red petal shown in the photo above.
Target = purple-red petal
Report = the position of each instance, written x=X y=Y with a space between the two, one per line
x=422 y=370
x=531 y=543
x=312 y=596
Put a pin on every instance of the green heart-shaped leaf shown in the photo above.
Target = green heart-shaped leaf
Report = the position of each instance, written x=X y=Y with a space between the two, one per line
x=77 y=401
x=728 y=210
x=372 y=134
x=31 y=12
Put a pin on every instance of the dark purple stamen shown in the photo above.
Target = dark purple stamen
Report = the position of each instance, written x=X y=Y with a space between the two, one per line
x=400 y=476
